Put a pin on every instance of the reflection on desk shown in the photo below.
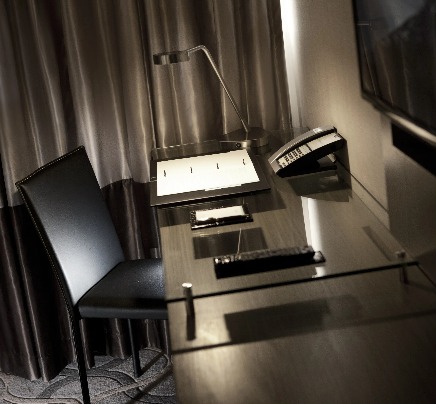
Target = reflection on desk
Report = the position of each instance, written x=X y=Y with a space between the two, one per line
x=228 y=242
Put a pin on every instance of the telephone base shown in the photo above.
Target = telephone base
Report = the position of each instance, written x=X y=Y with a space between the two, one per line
x=323 y=164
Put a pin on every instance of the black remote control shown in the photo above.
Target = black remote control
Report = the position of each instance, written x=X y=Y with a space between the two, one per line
x=263 y=260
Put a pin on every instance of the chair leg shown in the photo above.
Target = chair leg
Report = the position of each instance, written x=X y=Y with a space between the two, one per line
x=167 y=339
x=135 y=352
x=80 y=356
x=156 y=251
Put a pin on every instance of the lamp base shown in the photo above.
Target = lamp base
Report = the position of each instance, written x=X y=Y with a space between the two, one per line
x=256 y=137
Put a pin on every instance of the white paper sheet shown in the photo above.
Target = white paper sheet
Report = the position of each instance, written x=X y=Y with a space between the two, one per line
x=220 y=170
x=219 y=213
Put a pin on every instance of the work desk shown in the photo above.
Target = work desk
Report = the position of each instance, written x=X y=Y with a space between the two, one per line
x=341 y=330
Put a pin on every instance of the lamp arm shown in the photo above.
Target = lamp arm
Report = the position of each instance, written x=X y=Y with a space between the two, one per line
x=215 y=68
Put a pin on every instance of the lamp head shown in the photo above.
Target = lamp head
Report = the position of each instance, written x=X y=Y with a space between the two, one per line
x=165 y=58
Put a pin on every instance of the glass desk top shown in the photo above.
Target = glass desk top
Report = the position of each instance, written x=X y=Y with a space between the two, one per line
x=317 y=209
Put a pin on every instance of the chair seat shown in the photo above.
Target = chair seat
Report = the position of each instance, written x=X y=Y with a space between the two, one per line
x=133 y=290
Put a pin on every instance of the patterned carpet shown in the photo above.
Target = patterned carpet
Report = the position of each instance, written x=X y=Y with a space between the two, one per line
x=111 y=381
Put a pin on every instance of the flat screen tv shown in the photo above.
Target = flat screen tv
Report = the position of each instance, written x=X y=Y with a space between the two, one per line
x=396 y=41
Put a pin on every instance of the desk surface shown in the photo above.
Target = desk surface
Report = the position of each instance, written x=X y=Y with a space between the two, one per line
x=317 y=209
x=276 y=341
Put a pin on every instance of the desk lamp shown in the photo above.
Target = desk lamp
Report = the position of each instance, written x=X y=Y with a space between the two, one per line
x=248 y=137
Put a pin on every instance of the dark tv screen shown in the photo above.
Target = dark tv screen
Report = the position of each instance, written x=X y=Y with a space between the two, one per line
x=397 y=57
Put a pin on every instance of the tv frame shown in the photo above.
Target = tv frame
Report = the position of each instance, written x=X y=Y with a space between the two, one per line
x=412 y=136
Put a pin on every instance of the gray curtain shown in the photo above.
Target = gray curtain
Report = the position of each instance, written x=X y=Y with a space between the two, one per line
x=80 y=72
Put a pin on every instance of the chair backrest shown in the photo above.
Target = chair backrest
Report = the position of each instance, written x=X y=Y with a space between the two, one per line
x=67 y=207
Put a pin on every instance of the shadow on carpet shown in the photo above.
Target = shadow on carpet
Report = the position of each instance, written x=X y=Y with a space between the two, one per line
x=111 y=381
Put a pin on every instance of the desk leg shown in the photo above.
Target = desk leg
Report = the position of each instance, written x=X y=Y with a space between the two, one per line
x=189 y=300
x=190 y=311
x=401 y=255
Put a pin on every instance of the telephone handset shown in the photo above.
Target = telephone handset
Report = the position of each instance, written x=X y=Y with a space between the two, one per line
x=304 y=151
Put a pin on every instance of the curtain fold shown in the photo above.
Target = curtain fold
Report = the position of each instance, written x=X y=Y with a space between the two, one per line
x=80 y=72
x=16 y=337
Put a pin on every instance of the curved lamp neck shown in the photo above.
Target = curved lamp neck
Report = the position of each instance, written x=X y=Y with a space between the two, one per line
x=183 y=56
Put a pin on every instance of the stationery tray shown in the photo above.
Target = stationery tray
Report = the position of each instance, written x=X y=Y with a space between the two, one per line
x=213 y=217
x=204 y=194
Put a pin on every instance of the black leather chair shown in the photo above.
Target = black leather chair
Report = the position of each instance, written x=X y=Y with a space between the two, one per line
x=67 y=207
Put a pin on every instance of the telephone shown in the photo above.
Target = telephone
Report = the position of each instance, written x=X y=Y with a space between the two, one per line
x=302 y=153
